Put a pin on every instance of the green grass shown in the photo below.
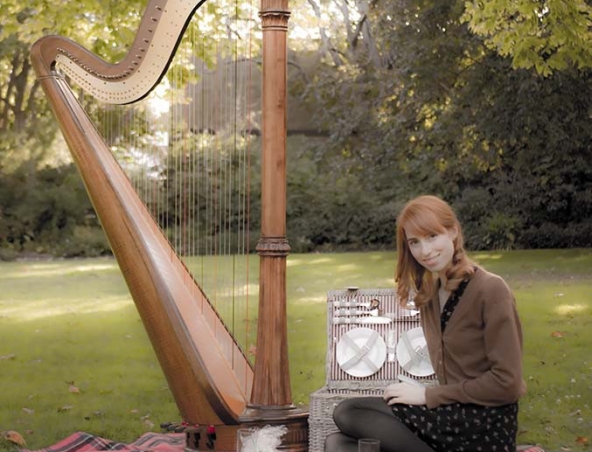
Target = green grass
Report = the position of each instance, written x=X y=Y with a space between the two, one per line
x=73 y=321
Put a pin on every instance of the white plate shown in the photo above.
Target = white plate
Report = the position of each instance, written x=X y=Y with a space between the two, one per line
x=372 y=359
x=422 y=367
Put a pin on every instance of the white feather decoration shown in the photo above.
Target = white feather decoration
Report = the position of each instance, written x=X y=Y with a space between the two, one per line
x=266 y=439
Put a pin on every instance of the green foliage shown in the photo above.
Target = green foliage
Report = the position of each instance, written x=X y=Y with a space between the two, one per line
x=549 y=35
x=48 y=211
x=410 y=102
x=84 y=241
x=500 y=231
x=329 y=209
x=549 y=235
x=443 y=114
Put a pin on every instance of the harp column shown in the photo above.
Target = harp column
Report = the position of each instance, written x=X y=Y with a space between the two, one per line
x=271 y=396
x=271 y=385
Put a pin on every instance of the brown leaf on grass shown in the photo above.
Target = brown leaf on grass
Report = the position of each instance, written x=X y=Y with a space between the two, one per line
x=10 y=356
x=582 y=440
x=28 y=410
x=94 y=414
x=148 y=423
x=15 y=437
x=73 y=389
x=557 y=334
x=64 y=408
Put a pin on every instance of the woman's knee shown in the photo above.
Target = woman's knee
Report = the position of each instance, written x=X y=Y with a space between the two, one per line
x=344 y=412
x=347 y=414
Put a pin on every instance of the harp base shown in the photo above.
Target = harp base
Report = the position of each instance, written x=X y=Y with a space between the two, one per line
x=224 y=440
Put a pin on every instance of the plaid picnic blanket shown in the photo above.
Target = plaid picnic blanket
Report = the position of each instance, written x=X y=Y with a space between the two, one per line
x=148 y=442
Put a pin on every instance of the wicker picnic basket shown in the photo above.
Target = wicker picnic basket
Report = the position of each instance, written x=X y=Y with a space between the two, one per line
x=345 y=312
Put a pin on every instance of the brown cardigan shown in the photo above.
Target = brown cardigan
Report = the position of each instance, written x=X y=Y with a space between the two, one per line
x=478 y=359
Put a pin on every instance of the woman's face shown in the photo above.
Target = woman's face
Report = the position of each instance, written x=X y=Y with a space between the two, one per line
x=433 y=251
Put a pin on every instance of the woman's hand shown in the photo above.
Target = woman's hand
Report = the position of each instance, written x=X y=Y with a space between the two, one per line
x=404 y=393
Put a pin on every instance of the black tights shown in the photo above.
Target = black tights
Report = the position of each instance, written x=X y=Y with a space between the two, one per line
x=371 y=417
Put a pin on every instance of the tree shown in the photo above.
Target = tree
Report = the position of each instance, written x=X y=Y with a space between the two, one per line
x=40 y=192
x=466 y=100
x=549 y=35
x=25 y=120
x=443 y=113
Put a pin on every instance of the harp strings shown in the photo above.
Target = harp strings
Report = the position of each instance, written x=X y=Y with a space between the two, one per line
x=187 y=150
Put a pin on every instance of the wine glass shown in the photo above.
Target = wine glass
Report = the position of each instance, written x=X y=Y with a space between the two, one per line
x=368 y=445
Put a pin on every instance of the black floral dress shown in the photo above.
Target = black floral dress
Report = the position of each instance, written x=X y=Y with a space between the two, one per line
x=462 y=427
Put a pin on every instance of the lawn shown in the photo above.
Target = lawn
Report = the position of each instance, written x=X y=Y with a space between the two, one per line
x=74 y=355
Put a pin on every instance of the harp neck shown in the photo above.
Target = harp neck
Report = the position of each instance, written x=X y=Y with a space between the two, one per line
x=131 y=79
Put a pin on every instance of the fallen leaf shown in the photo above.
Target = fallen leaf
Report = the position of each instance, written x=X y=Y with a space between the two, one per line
x=556 y=334
x=73 y=389
x=10 y=356
x=64 y=408
x=582 y=440
x=148 y=423
x=28 y=410
x=94 y=414
x=15 y=437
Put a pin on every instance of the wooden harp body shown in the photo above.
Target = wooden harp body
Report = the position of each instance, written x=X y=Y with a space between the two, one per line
x=211 y=379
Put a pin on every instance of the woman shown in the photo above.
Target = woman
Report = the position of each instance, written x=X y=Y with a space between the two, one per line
x=474 y=339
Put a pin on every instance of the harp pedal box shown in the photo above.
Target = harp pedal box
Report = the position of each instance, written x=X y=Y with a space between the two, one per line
x=192 y=437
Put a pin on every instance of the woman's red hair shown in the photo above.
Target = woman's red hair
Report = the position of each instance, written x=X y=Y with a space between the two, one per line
x=428 y=215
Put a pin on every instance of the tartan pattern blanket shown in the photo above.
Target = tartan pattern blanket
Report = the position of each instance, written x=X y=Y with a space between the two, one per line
x=148 y=442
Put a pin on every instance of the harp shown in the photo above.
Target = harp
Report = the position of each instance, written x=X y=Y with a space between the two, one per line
x=212 y=380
